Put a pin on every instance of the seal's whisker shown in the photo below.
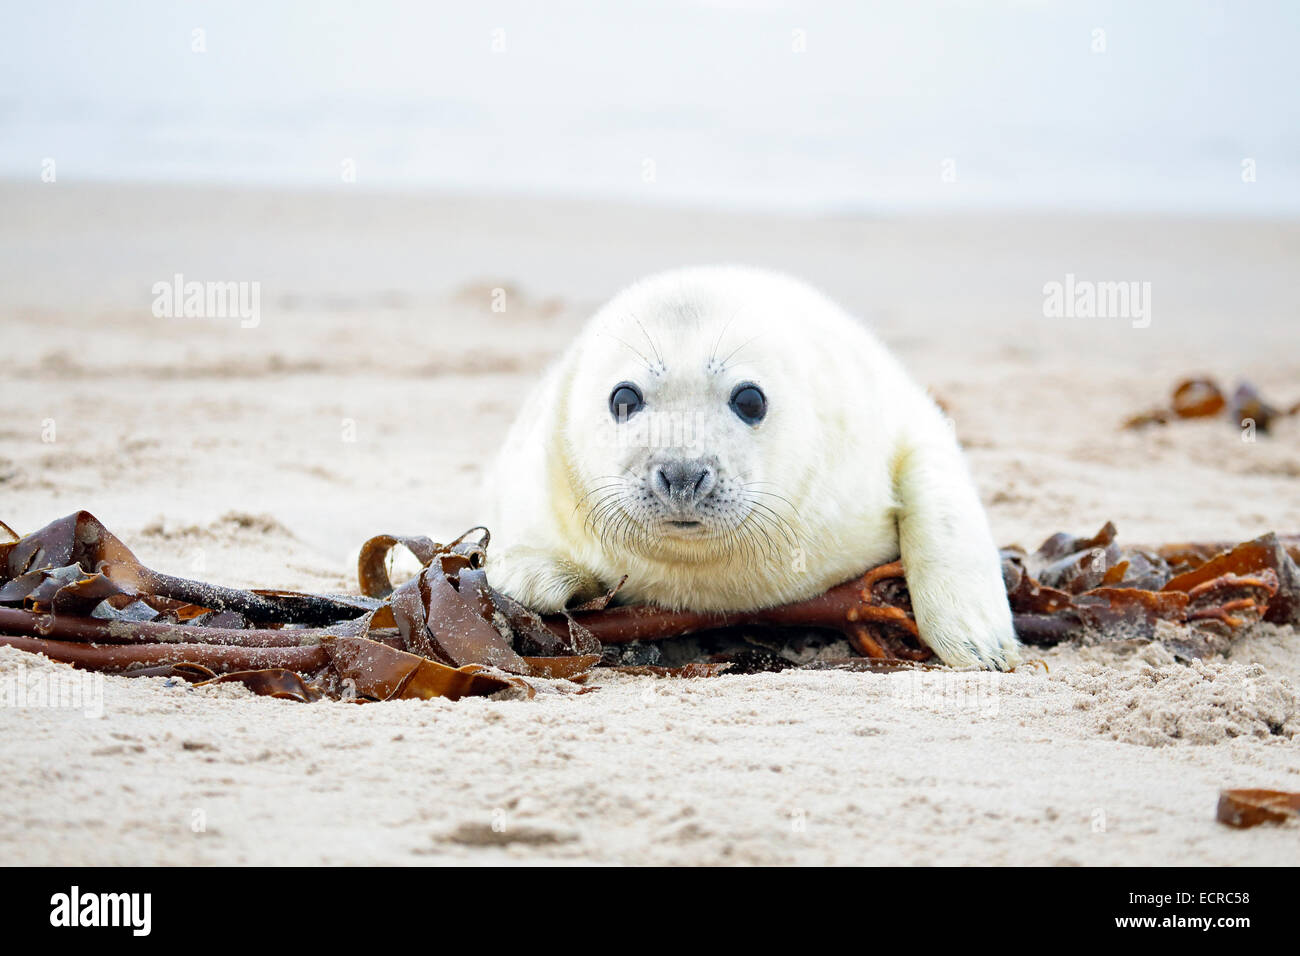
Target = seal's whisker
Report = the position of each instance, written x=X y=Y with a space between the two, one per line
x=768 y=522
x=713 y=355
x=750 y=496
x=602 y=508
x=602 y=528
x=644 y=361
x=616 y=484
x=601 y=513
x=773 y=552
x=737 y=349
x=737 y=543
x=770 y=494
x=777 y=521
x=747 y=535
x=654 y=348
x=626 y=531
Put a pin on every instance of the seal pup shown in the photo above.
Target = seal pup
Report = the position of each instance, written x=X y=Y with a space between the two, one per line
x=730 y=439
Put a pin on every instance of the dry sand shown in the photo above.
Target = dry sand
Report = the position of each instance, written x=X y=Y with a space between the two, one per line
x=223 y=452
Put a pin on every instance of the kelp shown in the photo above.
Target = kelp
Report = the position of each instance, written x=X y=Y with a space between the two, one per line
x=1203 y=398
x=1193 y=598
x=874 y=613
x=76 y=593
x=1250 y=808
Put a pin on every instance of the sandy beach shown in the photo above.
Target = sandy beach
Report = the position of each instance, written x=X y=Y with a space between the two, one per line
x=378 y=379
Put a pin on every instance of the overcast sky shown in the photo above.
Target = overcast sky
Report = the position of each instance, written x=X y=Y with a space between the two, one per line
x=842 y=106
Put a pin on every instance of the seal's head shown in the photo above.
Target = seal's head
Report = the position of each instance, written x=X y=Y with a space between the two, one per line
x=690 y=421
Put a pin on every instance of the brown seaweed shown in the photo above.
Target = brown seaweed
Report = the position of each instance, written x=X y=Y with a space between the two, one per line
x=1250 y=808
x=1203 y=398
x=74 y=564
x=271 y=682
x=69 y=584
x=381 y=672
x=74 y=592
x=125 y=658
x=1265 y=554
x=872 y=611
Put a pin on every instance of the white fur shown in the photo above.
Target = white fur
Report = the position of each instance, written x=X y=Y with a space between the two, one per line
x=852 y=466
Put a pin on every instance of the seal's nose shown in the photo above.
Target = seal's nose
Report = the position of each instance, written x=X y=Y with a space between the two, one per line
x=682 y=482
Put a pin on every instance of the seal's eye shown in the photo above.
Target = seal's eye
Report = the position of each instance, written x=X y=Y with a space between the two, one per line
x=625 y=401
x=749 y=403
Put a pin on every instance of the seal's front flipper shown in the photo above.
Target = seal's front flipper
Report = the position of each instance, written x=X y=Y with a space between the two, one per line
x=951 y=564
x=540 y=580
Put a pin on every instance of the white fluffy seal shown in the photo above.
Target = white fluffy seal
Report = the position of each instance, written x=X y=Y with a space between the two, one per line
x=730 y=439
